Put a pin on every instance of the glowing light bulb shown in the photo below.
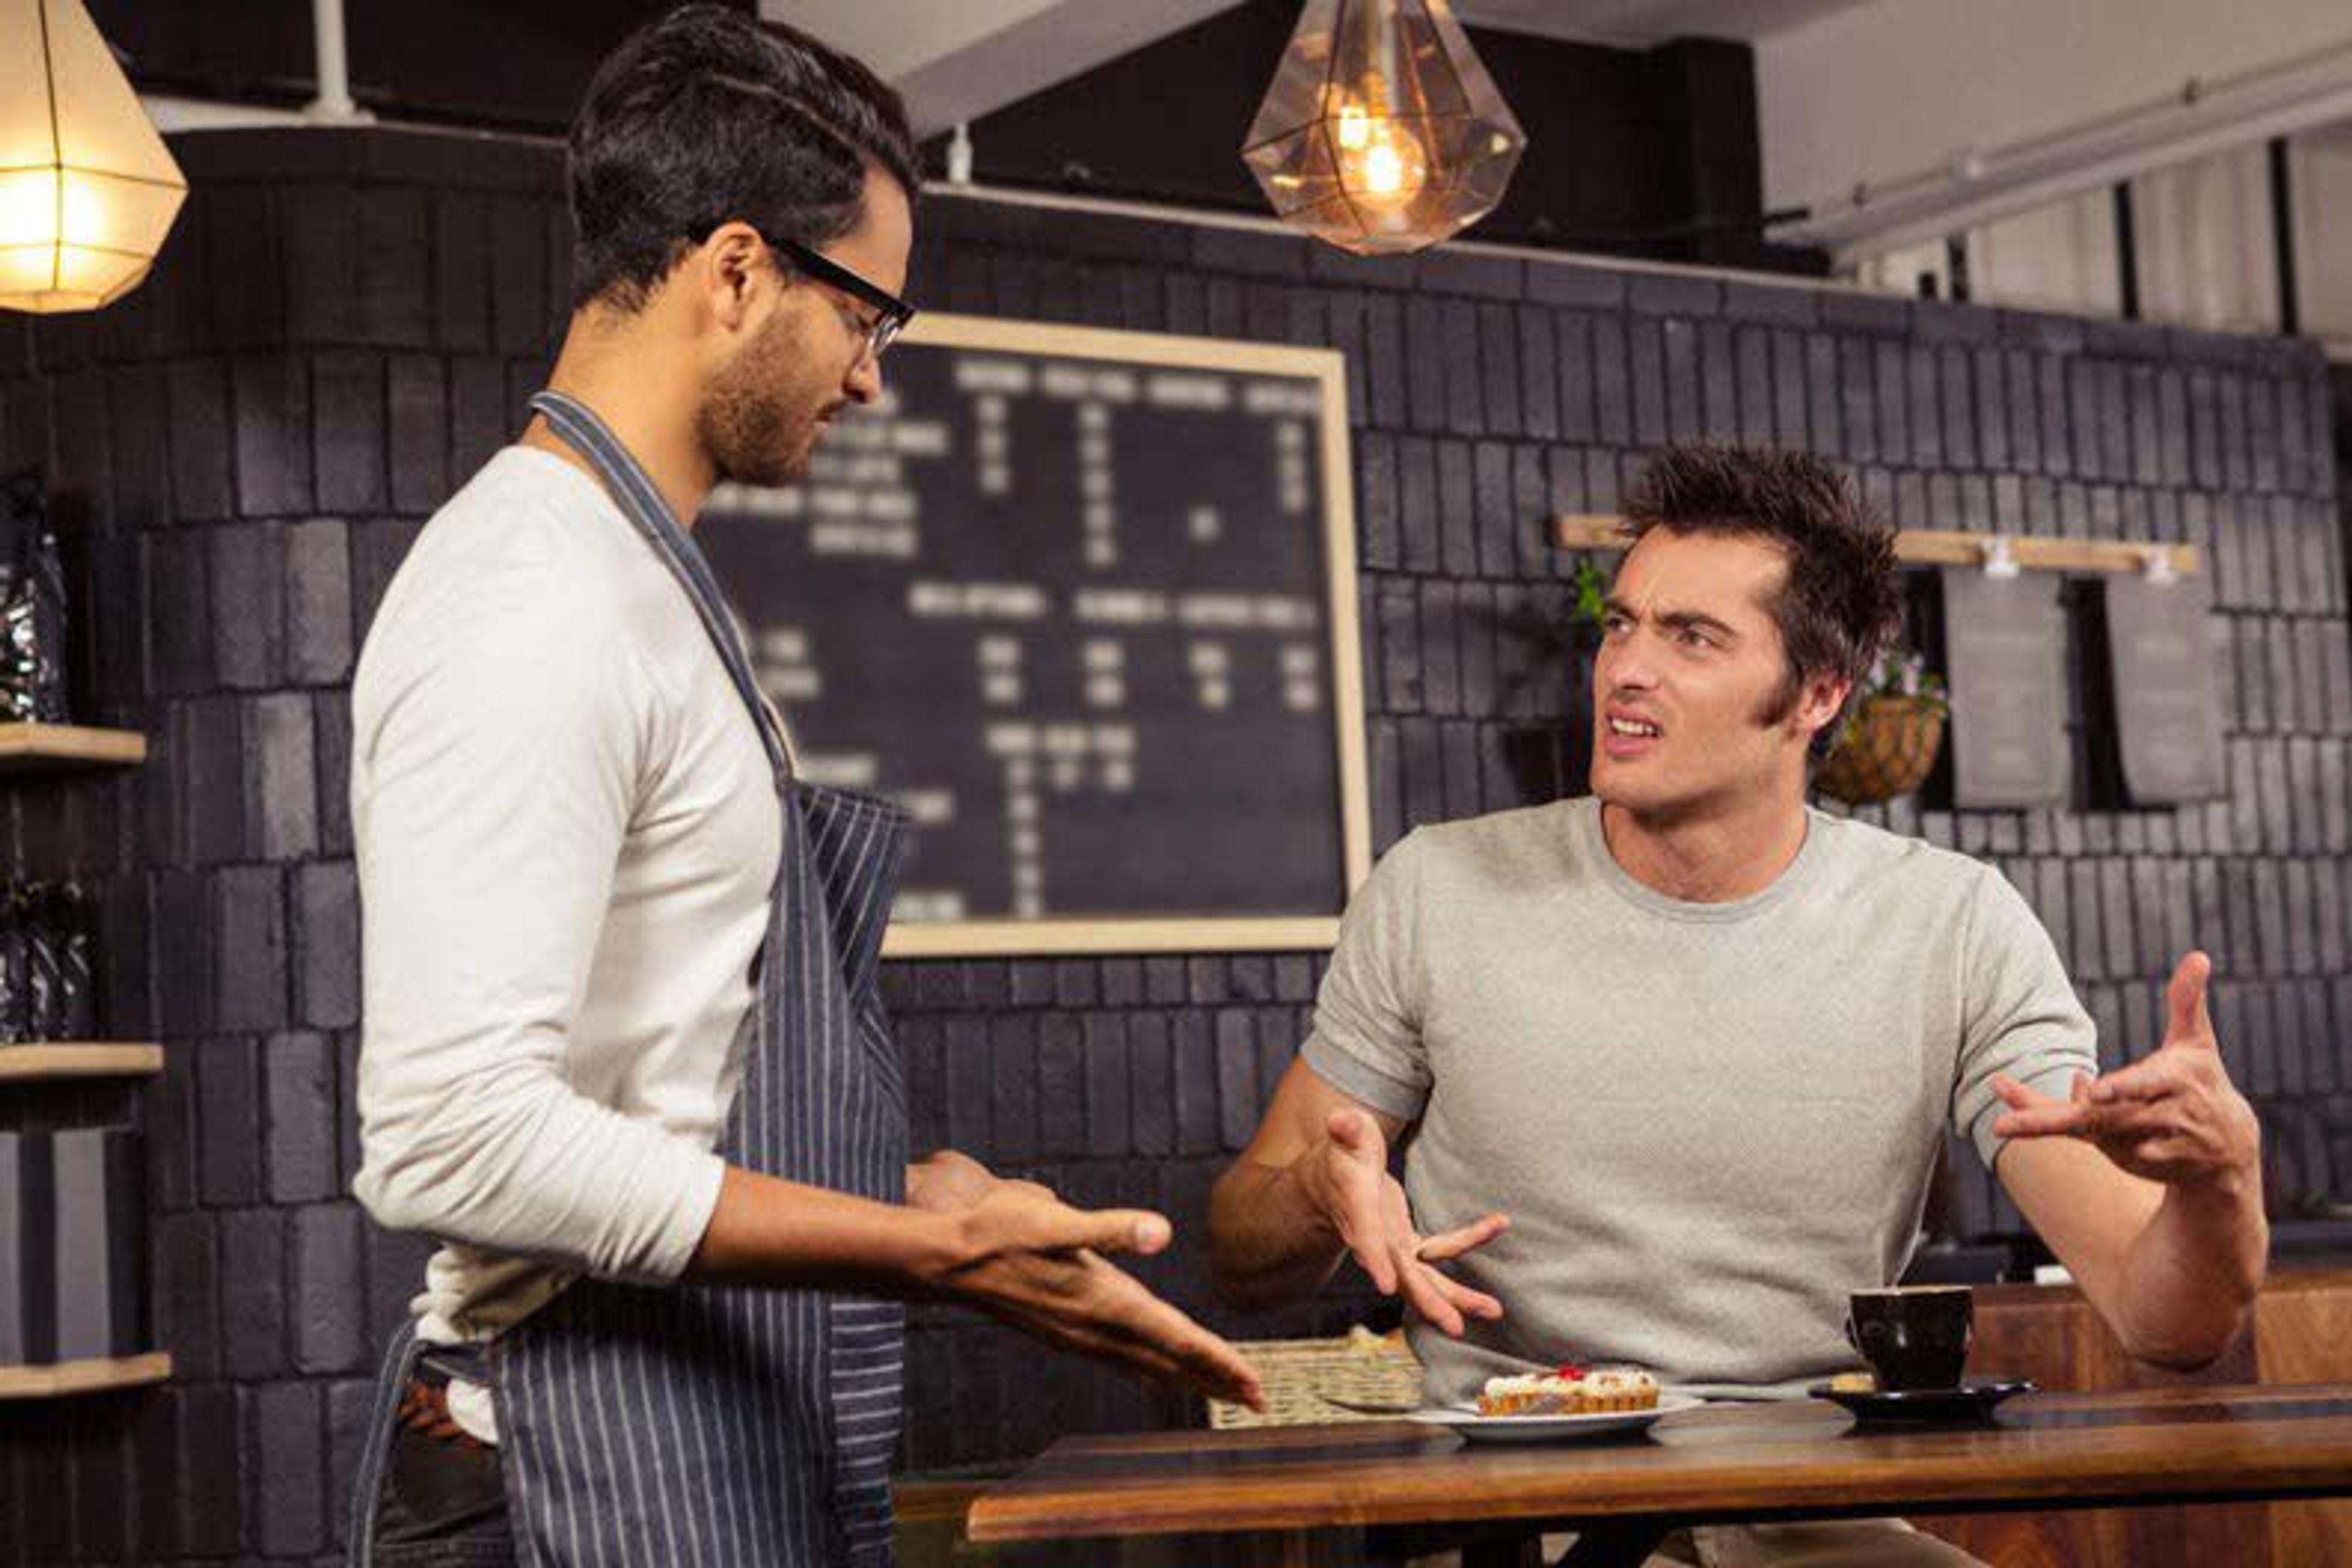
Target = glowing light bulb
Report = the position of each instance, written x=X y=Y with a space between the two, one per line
x=1381 y=164
x=1381 y=133
x=28 y=207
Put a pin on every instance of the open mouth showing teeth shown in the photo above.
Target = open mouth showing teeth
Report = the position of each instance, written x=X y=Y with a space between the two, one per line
x=1631 y=727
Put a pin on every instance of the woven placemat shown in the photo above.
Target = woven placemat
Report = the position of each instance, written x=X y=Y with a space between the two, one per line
x=1303 y=1377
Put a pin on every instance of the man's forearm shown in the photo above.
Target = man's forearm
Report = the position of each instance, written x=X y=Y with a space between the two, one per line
x=1270 y=1241
x=770 y=1232
x=2193 y=1271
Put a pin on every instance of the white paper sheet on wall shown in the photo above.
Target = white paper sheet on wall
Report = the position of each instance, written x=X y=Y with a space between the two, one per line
x=2006 y=639
x=2167 y=712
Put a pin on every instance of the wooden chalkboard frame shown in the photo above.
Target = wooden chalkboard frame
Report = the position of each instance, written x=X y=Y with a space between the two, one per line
x=1109 y=933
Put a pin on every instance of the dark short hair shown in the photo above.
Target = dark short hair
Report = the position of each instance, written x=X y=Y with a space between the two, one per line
x=1842 y=598
x=707 y=116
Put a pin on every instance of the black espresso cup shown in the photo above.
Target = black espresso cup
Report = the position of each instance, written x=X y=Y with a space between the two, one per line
x=1914 y=1336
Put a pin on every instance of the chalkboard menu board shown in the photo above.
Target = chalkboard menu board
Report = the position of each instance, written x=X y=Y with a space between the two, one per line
x=1084 y=602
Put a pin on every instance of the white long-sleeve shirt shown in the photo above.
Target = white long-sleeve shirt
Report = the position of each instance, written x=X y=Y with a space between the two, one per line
x=566 y=832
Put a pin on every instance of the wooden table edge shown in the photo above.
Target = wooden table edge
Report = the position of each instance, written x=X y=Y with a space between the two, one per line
x=1004 y=1515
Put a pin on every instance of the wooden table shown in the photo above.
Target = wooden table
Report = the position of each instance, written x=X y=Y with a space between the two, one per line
x=1805 y=1459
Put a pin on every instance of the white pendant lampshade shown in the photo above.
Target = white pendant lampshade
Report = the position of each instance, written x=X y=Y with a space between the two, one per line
x=87 y=190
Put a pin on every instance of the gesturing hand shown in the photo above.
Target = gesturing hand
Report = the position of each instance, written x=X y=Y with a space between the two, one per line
x=1349 y=1175
x=1025 y=1256
x=2172 y=1117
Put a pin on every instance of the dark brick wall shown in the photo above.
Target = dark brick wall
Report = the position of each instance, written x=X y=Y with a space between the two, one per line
x=343 y=326
x=337 y=331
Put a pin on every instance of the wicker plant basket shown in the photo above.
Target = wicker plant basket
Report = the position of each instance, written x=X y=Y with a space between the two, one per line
x=1887 y=749
x=1376 y=1373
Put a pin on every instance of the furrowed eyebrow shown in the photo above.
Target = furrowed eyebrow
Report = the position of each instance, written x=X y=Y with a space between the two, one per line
x=1684 y=620
x=1675 y=620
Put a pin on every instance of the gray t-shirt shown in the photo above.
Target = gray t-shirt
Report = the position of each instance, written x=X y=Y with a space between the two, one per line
x=1708 y=1122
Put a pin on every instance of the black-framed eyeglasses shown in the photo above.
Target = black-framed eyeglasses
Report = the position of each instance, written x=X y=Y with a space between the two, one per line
x=891 y=313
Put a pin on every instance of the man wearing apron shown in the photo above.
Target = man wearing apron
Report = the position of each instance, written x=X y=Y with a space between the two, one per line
x=622 y=1053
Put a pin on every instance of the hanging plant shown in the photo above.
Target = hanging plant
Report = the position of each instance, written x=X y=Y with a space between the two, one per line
x=1588 y=609
x=1893 y=730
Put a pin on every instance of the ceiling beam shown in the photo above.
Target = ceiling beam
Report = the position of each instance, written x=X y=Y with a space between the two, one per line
x=1908 y=120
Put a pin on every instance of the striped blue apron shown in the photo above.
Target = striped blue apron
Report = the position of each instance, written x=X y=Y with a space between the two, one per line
x=721 y=1425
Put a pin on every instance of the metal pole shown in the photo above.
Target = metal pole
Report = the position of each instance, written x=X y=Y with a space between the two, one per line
x=334 y=99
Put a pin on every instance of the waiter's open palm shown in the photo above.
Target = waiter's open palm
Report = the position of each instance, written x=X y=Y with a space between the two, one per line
x=1037 y=1263
x=1369 y=1207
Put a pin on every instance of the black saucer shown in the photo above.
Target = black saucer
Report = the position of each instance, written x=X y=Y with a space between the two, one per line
x=1969 y=1402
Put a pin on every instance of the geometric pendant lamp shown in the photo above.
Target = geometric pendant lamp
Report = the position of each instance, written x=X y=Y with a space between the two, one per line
x=87 y=190
x=1382 y=133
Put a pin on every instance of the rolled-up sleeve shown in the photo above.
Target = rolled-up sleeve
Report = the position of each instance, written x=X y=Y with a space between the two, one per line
x=1367 y=1039
x=2020 y=1015
x=493 y=783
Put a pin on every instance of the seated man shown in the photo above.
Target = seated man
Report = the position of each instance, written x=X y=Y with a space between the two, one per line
x=1701 y=1044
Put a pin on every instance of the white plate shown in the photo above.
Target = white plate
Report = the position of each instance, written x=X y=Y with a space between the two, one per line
x=1480 y=1428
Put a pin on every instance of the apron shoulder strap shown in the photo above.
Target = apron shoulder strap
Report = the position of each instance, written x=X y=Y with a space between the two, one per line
x=633 y=491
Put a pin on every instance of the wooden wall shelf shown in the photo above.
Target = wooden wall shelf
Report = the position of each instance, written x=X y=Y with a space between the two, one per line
x=1949 y=547
x=68 y=1377
x=32 y=1064
x=40 y=748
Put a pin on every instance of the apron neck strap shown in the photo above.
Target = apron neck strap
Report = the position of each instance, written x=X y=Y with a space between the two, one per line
x=633 y=491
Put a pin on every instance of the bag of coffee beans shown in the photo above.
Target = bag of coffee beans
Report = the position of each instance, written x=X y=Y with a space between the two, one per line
x=43 y=1012
x=15 y=1009
x=56 y=959
x=57 y=965
x=77 y=967
x=32 y=608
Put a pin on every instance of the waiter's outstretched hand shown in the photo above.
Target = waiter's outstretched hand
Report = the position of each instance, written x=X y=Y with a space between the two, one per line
x=2172 y=1117
x=1023 y=1255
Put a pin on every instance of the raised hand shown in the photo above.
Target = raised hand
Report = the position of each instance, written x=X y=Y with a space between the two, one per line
x=2172 y=1117
x=1349 y=1175
x=1027 y=1257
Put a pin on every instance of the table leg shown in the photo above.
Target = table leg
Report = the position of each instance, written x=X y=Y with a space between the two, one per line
x=1284 y=1549
x=1504 y=1551
x=1612 y=1545
x=1608 y=1544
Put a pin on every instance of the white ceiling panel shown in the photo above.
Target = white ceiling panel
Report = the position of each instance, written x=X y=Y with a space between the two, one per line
x=1638 y=23
x=959 y=60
